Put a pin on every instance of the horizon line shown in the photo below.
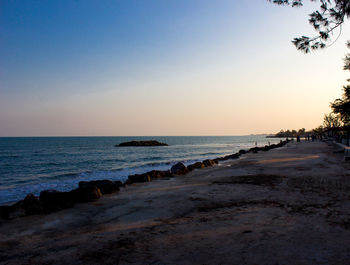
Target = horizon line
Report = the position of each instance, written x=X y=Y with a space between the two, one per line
x=47 y=136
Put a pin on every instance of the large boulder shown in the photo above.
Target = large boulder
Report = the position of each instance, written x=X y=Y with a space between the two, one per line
x=242 y=152
x=272 y=146
x=209 y=163
x=105 y=186
x=179 y=169
x=255 y=149
x=138 y=178
x=53 y=200
x=156 y=174
x=16 y=210
x=32 y=205
x=233 y=156
x=12 y=211
x=216 y=160
x=196 y=165
x=220 y=159
x=266 y=148
x=4 y=211
x=142 y=143
x=85 y=194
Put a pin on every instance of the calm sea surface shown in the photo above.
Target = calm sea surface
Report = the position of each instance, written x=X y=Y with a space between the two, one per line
x=33 y=164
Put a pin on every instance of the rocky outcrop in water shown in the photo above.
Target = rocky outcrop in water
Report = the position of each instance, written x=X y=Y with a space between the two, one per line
x=141 y=143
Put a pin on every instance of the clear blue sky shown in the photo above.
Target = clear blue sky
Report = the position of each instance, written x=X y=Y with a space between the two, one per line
x=184 y=67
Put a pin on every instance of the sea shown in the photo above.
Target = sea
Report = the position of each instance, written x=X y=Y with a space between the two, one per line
x=33 y=164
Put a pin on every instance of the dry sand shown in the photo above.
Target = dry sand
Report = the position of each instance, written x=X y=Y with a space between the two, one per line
x=290 y=205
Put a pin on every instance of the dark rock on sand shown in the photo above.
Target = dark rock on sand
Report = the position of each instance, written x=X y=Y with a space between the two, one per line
x=209 y=163
x=216 y=160
x=195 y=166
x=86 y=194
x=146 y=177
x=242 y=152
x=32 y=205
x=156 y=174
x=16 y=210
x=138 y=178
x=53 y=200
x=142 y=143
x=12 y=211
x=105 y=186
x=4 y=211
x=179 y=169
x=268 y=147
x=255 y=149
x=233 y=156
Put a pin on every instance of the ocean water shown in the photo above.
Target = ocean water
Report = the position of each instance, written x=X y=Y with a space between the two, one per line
x=33 y=164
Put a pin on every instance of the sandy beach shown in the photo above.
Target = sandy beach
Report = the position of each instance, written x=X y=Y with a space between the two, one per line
x=290 y=205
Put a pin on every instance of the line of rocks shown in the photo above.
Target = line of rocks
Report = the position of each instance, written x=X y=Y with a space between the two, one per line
x=88 y=191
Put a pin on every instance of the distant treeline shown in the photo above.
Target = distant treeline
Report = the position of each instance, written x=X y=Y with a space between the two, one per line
x=291 y=133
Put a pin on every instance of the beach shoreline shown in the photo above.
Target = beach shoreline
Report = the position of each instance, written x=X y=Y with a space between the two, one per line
x=31 y=165
x=289 y=205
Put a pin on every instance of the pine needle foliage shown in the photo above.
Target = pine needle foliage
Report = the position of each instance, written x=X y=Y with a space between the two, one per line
x=329 y=17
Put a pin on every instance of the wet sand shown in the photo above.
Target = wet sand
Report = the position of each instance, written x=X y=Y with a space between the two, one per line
x=290 y=205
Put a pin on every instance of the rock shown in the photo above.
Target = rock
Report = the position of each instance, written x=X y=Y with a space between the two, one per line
x=119 y=183
x=16 y=210
x=233 y=156
x=266 y=148
x=156 y=174
x=32 y=205
x=53 y=200
x=105 y=186
x=85 y=194
x=216 y=161
x=128 y=181
x=142 y=143
x=138 y=178
x=12 y=211
x=242 y=152
x=4 y=211
x=179 y=169
x=208 y=163
x=255 y=149
x=195 y=166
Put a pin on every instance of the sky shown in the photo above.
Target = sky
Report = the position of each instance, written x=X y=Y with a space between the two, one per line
x=161 y=67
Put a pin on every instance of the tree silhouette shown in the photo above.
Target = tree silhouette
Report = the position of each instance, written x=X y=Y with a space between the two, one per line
x=330 y=16
x=341 y=106
x=331 y=121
